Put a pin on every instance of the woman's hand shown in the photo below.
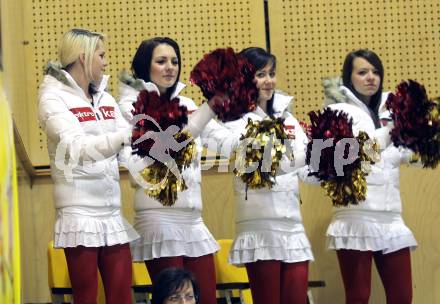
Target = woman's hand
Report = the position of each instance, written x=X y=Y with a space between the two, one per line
x=217 y=101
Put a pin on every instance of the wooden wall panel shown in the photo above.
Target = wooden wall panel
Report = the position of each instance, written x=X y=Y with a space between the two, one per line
x=198 y=26
x=29 y=264
x=312 y=38
x=421 y=211
x=13 y=44
x=219 y=203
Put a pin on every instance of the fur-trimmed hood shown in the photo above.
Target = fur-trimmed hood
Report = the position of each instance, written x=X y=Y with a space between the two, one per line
x=332 y=92
x=56 y=77
x=128 y=85
x=129 y=88
x=336 y=92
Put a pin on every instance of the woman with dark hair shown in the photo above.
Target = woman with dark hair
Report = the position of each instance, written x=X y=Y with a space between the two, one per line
x=270 y=239
x=375 y=100
x=374 y=229
x=171 y=236
x=142 y=62
x=175 y=285
x=260 y=59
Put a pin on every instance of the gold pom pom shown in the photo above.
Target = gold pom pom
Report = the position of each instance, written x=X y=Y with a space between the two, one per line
x=164 y=183
x=352 y=189
x=260 y=151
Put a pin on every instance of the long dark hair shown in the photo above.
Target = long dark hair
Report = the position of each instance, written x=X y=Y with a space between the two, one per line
x=347 y=70
x=141 y=64
x=259 y=58
x=171 y=280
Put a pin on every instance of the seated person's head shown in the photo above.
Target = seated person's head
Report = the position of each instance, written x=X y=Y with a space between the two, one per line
x=175 y=285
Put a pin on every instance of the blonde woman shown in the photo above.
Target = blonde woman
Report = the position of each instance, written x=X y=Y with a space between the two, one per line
x=85 y=131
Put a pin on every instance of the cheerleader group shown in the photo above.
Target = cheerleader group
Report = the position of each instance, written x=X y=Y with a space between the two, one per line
x=89 y=135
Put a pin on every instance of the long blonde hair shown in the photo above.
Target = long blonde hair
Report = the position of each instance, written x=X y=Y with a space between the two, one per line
x=76 y=42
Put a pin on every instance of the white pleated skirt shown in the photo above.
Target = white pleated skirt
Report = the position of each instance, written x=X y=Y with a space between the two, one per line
x=91 y=227
x=366 y=230
x=168 y=232
x=278 y=239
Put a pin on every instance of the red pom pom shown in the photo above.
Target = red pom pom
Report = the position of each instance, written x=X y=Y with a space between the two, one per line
x=329 y=124
x=307 y=129
x=226 y=73
x=414 y=126
x=163 y=113
x=328 y=134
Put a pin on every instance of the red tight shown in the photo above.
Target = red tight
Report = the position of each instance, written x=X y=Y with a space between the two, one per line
x=202 y=267
x=394 y=269
x=277 y=282
x=114 y=263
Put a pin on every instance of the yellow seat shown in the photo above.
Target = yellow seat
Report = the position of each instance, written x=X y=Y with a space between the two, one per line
x=141 y=283
x=229 y=277
x=59 y=280
x=58 y=275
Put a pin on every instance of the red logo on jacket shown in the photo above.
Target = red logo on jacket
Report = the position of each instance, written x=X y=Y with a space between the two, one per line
x=290 y=130
x=107 y=112
x=83 y=114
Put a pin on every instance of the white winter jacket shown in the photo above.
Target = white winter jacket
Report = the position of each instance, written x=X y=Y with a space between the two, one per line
x=383 y=190
x=83 y=140
x=282 y=201
x=190 y=198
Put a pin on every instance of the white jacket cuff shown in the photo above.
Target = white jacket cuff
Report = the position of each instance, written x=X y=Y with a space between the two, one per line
x=199 y=119
x=382 y=135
